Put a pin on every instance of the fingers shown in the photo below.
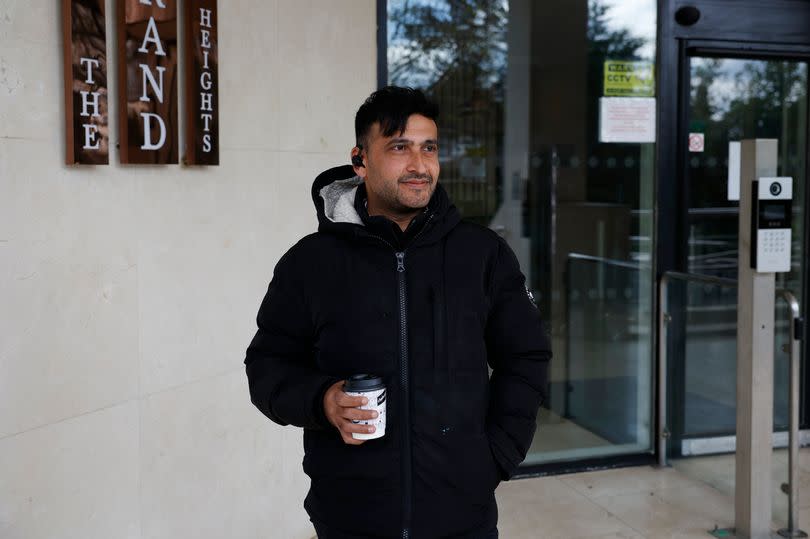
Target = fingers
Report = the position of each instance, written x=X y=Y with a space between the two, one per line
x=349 y=401
x=357 y=414
x=346 y=429
x=359 y=428
x=342 y=410
x=347 y=425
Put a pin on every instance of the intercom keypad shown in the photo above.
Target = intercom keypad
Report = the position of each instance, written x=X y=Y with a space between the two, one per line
x=771 y=224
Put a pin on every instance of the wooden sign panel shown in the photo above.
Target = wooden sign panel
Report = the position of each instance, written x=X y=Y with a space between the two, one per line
x=201 y=83
x=85 y=66
x=147 y=80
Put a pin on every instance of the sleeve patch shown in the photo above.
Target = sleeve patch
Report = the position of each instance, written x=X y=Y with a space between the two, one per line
x=531 y=296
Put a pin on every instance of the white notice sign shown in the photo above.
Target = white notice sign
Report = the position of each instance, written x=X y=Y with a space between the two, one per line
x=734 y=156
x=627 y=119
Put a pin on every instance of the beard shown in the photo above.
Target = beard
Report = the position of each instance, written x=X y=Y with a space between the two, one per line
x=408 y=177
x=407 y=199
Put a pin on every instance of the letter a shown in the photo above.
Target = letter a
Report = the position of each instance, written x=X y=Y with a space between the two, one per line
x=152 y=36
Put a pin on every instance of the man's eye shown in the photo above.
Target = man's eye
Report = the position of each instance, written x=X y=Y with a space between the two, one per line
x=398 y=147
x=431 y=148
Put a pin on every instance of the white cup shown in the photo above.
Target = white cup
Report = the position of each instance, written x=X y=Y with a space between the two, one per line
x=372 y=388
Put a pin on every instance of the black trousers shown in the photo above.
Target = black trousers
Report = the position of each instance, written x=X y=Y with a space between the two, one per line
x=321 y=533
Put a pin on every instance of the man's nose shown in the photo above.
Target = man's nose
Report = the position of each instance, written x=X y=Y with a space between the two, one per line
x=417 y=162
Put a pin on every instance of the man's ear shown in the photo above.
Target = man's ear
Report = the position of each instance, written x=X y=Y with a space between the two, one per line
x=357 y=161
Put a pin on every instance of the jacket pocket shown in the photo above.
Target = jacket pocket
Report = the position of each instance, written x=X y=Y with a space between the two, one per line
x=461 y=470
x=462 y=403
x=326 y=456
x=480 y=475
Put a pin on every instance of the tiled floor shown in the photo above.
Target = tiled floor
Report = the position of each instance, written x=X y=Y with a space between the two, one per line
x=680 y=502
x=563 y=436
x=629 y=503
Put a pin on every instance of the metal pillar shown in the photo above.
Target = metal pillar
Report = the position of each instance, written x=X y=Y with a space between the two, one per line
x=755 y=337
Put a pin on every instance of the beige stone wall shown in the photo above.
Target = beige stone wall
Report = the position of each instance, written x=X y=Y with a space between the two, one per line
x=128 y=294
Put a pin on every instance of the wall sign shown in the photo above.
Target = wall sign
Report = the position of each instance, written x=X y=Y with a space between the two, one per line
x=85 y=71
x=697 y=142
x=147 y=80
x=627 y=119
x=629 y=79
x=202 y=83
x=734 y=167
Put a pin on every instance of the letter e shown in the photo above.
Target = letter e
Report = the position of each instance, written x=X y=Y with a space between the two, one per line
x=90 y=131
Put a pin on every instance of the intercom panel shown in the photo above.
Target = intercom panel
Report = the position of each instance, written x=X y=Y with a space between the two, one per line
x=771 y=216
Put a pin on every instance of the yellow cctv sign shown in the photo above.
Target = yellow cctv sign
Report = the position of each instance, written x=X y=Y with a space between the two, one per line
x=629 y=79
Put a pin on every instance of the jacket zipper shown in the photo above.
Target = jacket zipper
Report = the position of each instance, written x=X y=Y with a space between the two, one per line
x=405 y=382
x=407 y=479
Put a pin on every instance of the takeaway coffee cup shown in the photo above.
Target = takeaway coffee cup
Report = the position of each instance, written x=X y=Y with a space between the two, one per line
x=372 y=388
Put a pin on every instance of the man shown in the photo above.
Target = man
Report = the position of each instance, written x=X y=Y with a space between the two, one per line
x=396 y=285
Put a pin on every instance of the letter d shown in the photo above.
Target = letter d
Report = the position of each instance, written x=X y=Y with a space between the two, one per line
x=147 y=131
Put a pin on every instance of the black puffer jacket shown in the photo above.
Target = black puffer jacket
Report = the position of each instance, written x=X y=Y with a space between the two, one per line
x=428 y=311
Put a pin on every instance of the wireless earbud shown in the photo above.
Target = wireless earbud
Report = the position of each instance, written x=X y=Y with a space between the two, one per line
x=357 y=160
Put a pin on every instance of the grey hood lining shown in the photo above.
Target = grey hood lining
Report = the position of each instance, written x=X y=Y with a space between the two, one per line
x=338 y=201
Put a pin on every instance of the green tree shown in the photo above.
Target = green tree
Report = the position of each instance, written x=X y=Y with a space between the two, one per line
x=430 y=39
x=606 y=43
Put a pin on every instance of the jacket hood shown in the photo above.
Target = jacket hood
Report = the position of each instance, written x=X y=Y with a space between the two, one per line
x=334 y=191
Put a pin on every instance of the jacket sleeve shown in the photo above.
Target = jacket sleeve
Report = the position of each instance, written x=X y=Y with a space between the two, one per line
x=518 y=351
x=285 y=384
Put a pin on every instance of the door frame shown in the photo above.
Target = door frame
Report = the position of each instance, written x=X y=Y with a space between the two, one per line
x=728 y=29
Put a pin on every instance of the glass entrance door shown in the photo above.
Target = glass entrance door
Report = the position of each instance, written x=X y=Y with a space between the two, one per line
x=730 y=100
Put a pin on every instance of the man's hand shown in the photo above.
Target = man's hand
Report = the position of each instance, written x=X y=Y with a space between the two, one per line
x=341 y=409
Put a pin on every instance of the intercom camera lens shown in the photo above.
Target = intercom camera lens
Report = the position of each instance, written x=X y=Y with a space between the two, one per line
x=776 y=188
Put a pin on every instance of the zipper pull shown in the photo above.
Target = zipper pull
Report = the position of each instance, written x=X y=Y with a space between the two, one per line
x=400 y=262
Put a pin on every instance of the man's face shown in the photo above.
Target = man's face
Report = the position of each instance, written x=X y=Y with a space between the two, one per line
x=401 y=171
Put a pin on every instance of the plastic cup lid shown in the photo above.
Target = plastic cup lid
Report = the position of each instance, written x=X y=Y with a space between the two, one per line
x=363 y=382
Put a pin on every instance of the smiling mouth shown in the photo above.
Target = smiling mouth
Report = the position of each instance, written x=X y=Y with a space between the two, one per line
x=416 y=181
x=417 y=185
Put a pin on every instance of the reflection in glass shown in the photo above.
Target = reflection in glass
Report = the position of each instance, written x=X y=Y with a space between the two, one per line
x=519 y=86
x=733 y=100
x=703 y=415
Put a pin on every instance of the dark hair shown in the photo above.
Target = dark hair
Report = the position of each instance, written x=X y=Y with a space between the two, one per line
x=391 y=106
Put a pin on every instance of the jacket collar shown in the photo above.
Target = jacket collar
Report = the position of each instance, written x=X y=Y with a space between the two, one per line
x=339 y=198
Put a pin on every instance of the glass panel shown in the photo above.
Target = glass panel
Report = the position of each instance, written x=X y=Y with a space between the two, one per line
x=708 y=346
x=711 y=360
x=520 y=87
x=732 y=100
x=709 y=351
x=456 y=51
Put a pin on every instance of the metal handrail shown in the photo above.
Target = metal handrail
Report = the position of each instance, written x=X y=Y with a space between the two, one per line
x=792 y=487
x=607 y=261
x=793 y=438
